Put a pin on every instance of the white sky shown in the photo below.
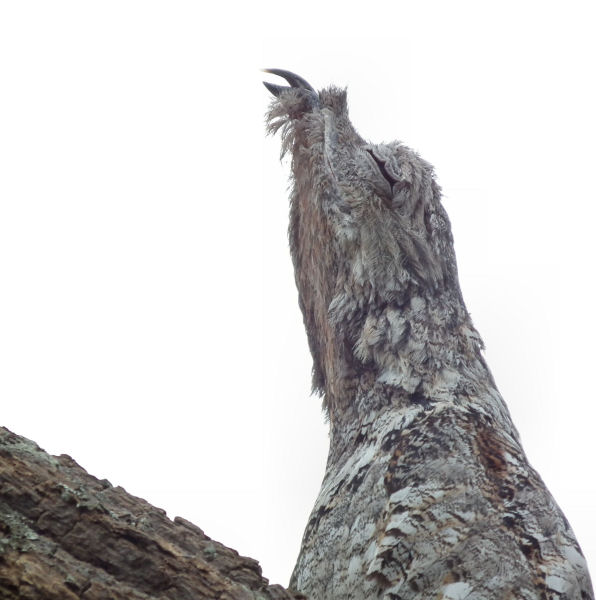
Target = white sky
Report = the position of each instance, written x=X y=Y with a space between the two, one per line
x=148 y=317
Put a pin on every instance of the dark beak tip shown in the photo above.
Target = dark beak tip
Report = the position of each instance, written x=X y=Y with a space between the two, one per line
x=276 y=90
x=294 y=80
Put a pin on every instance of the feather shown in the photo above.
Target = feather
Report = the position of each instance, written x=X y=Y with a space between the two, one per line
x=428 y=492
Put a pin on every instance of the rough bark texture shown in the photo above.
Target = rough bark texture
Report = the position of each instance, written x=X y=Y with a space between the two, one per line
x=428 y=493
x=66 y=535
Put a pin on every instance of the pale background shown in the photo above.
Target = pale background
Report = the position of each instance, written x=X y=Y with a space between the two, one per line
x=148 y=317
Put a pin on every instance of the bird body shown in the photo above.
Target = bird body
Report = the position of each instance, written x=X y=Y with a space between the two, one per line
x=427 y=492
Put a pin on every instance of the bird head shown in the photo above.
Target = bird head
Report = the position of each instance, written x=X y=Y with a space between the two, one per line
x=367 y=228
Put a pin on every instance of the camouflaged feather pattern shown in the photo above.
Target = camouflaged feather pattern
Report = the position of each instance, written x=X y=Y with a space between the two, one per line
x=427 y=493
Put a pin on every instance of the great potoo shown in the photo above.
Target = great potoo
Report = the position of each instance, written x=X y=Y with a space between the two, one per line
x=427 y=493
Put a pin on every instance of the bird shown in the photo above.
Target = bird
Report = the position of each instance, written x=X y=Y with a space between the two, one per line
x=427 y=493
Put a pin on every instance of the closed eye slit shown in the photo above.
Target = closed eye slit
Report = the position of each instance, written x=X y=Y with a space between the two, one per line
x=381 y=165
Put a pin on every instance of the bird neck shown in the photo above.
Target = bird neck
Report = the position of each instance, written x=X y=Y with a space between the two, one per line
x=420 y=353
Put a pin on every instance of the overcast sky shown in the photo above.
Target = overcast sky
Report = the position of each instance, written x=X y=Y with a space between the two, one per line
x=149 y=324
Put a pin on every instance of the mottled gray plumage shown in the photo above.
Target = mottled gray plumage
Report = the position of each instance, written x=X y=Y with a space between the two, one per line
x=428 y=493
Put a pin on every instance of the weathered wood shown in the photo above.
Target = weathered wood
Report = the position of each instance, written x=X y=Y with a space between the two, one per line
x=66 y=535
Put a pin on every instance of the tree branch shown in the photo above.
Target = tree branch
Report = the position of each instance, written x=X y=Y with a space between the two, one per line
x=66 y=535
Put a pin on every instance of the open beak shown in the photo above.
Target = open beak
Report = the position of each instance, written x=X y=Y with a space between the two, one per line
x=294 y=80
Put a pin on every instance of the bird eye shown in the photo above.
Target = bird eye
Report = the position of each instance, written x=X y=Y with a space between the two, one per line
x=381 y=164
x=383 y=181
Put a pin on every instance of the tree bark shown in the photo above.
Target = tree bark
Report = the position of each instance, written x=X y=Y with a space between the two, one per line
x=66 y=535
